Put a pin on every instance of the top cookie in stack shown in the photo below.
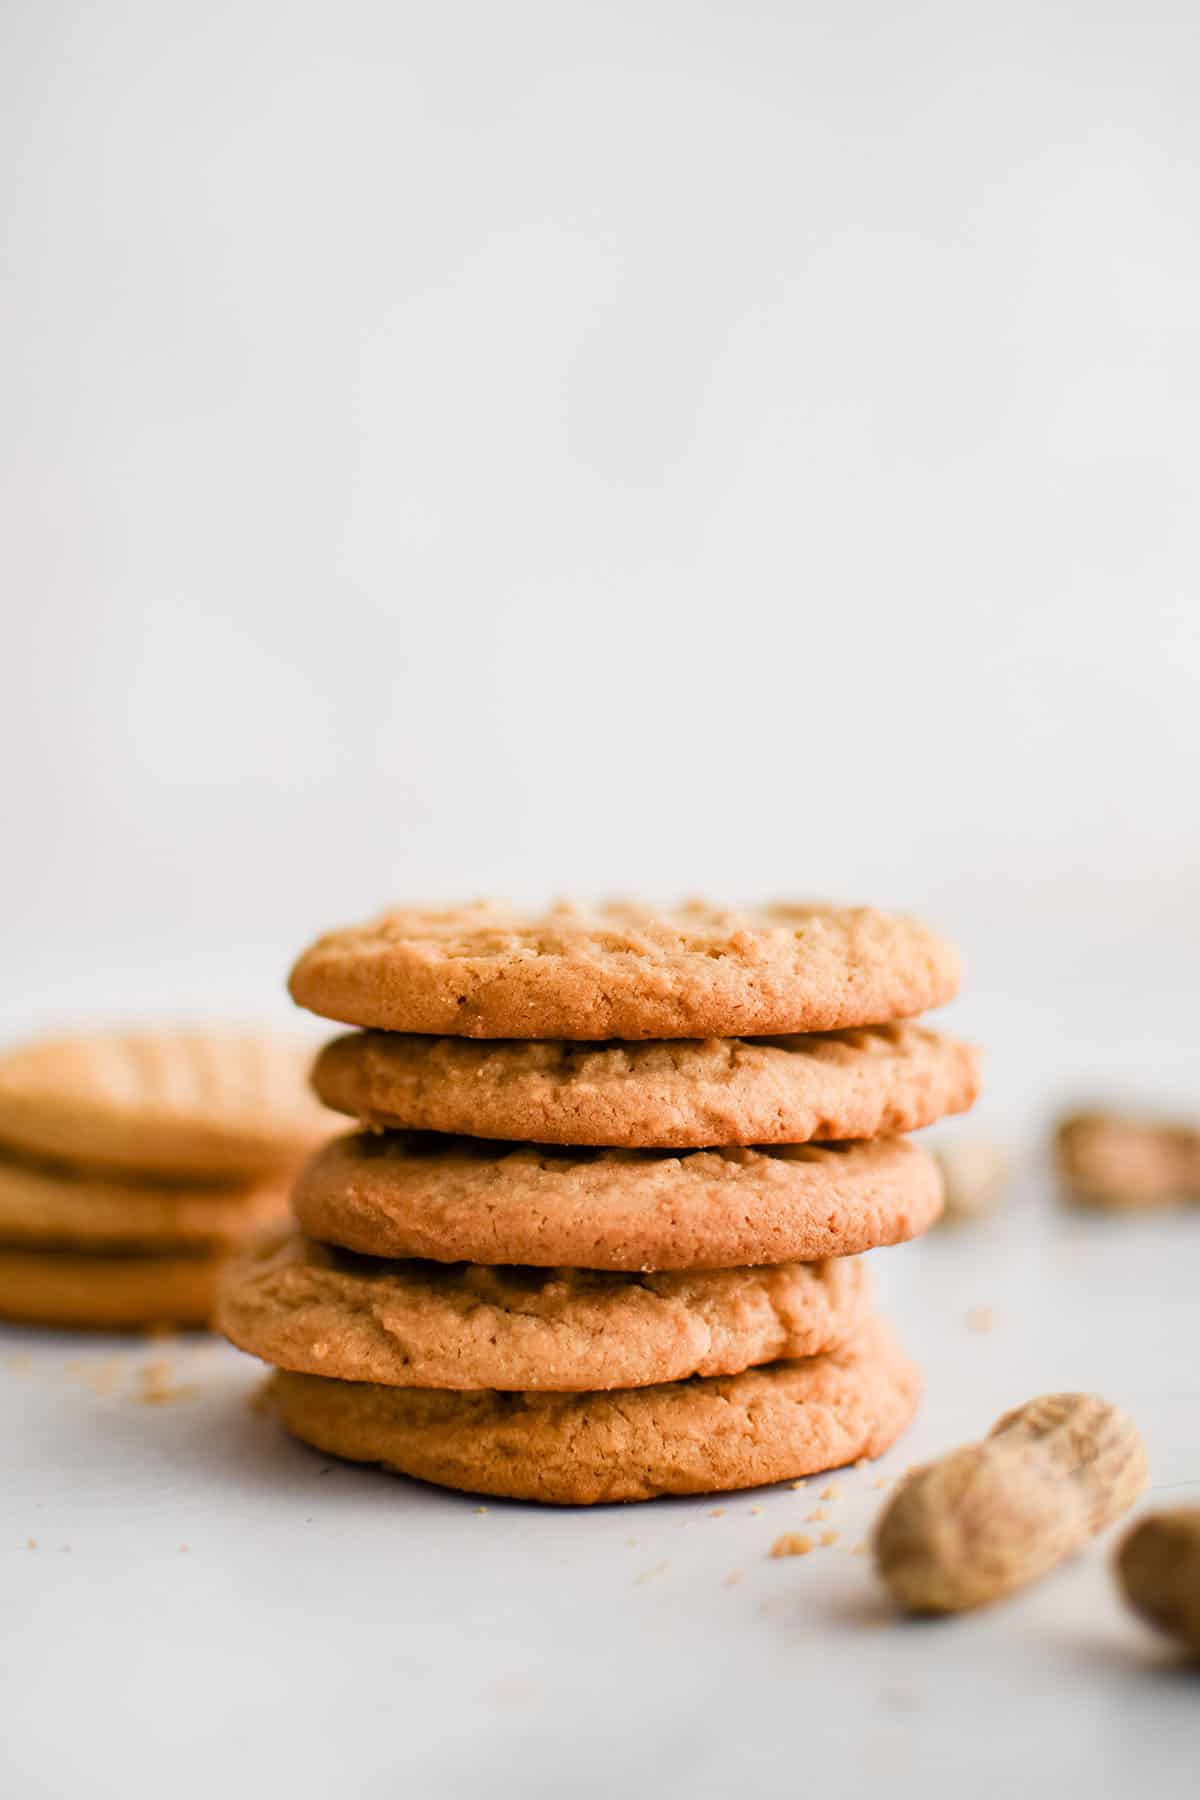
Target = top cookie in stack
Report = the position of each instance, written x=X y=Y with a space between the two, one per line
x=701 y=1104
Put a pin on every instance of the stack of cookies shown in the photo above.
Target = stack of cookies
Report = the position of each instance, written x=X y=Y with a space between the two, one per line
x=601 y=1236
x=131 y=1162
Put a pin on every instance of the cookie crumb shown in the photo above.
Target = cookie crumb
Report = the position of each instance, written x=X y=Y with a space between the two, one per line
x=718 y=1512
x=792 y=1543
x=101 y=1377
x=828 y=1538
x=981 y=1318
x=831 y=1492
x=650 y=1574
x=858 y=1549
x=797 y=1485
x=157 y=1388
x=864 y=1462
x=479 y=1509
x=31 y=1543
x=814 y=1518
x=733 y=1577
x=755 y=1510
x=881 y=1482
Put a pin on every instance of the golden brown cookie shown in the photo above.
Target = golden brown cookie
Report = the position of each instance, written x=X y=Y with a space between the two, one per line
x=105 y=1293
x=672 y=1094
x=469 y=1200
x=321 y=1311
x=624 y=971
x=44 y=1204
x=685 y=1437
x=179 y=1104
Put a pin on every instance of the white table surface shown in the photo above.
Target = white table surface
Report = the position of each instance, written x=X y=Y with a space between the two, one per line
x=333 y=1631
x=211 y=1604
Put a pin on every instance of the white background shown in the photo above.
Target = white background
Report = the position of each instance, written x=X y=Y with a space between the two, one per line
x=449 y=448
x=461 y=448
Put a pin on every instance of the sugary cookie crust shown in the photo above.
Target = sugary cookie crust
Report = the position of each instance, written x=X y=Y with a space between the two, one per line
x=675 y=1093
x=624 y=971
x=469 y=1200
x=769 y=1424
x=310 y=1308
x=197 y=1104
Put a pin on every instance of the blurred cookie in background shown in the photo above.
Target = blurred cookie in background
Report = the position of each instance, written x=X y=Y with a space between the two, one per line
x=131 y=1162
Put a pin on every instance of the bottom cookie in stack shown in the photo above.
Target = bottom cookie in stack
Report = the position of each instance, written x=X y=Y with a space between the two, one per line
x=132 y=1163
x=591 y=1339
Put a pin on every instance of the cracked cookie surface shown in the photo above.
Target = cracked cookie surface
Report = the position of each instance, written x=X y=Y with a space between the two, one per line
x=626 y=971
x=674 y=1093
x=401 y=1194
x=310 y=1308
x=706 y=1435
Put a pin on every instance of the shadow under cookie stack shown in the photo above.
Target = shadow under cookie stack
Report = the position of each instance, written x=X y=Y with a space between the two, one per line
x=601 y=1235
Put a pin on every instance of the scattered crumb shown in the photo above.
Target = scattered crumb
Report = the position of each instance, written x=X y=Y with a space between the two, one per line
x=755 y=1510
x=831 y=1492
x=981 y=1318
x=479 y=1509
x=718 y=1512
x=31 y=1543
x=157 y=1388
x=828 y=1538
x=814 y=1518
x=881 y=1482
x=858 y=1549
x=732 y=1579
x=797 y=1485
x=792 y=1543
x=650 y=1574
x=864 y=1462
x=101 y=1377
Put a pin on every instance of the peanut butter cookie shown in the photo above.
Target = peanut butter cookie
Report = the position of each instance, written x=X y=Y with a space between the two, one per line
x=625 y=971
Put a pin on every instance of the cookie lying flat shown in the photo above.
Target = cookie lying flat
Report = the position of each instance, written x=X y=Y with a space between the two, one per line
x=624 y=971
x=45 y=1205
x=671 y=1094
x=469 y=1200
x=179 y=1104
x=303 y=1306
x=689 y=1437
x=106 y=1293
